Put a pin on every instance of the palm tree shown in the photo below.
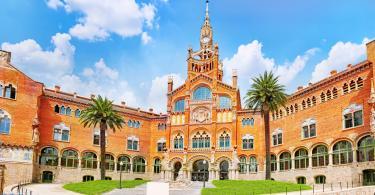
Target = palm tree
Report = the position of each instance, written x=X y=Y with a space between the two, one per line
x=100 y=113
x=266 y=95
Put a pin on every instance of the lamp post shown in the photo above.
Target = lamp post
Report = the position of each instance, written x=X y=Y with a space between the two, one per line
x=121 y=163
x=204 y=173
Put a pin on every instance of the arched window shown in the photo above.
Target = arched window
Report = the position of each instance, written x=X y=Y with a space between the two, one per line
x=57 y=109
x=345 y=88
x=285 y=161
x=329 y=95
x=68 y=111
x=359 y=82
x=308 y=102
x=178 y=142
x=62 y=110
x=201 y=140
x=49 y=156
x=5 y=122
x=301 y=159
x=202 y=93
x=89 y=160
x=322 y=97
x=366 y=149
x=273 y=163
x=320 y=156
x=281 y=113
x=179 y=106
x=253 y=167
x=157 y=166
x=277 y=137
x=225 y=102
x=352 y=85
x=139 y=165
x=320 y=179
x=287 y=111
x=295 y=107
x=301 y=180
x=353 y=116
x=313 y=99
x=243 y=164
x=342 y=153
x=69 y=158
x=10 y=92
x=109 y=162
x=125 y=164
x=247 y=142
x=308 y=128
x=303 y=104
x=61 y=132
x=334 y=93
x=77 y=113
x=224 y=140
x=133 y=143
x=291 y=109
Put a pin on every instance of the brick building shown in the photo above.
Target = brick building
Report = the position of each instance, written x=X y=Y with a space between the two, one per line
x=324 y=134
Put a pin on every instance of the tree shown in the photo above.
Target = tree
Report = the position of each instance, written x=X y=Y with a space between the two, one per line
x=100 y=113
x=266 y=95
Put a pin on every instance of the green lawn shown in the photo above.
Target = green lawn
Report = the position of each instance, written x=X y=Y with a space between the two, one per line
x=249 y=187
x=100 y=186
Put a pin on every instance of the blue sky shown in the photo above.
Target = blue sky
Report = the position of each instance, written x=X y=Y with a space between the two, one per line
x=126 y=49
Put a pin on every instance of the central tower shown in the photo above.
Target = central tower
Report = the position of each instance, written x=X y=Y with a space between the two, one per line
x=206 y=59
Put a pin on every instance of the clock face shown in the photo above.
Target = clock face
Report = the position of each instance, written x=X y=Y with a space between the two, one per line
x=205 y=39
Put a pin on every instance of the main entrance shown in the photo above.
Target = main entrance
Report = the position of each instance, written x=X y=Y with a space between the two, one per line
x=369 y=177
x=176 y=168
x=200 y=171
x=224 y=166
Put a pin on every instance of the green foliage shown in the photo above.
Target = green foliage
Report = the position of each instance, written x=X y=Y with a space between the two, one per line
x=101 y=110
x=266 y=93
x=101 y=186
x=249 y=187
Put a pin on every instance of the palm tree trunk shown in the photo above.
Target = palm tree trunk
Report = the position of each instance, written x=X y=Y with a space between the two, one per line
x=103 y=129
x=266 y=118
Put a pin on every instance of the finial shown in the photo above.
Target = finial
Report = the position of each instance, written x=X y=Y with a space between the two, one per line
x=207 y=8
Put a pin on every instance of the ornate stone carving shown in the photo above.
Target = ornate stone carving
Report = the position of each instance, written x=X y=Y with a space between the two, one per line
x=373 y=122
x=236 y=160
x=36 y=133
x=201 y=115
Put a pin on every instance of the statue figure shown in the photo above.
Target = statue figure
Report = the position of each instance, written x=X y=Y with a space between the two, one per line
x=235 y=159
x=373 y=122
x=36 y=133
x=165 y=159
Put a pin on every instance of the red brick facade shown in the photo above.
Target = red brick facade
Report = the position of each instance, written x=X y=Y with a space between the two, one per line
x=211 y=124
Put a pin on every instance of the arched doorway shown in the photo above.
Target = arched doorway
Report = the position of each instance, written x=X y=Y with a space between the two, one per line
x=176 y=168
x=200 y=171
x=224 y=166
x=47 y=177
x=369 y=177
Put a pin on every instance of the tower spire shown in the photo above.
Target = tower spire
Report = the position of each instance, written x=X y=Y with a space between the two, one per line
x=207 y=9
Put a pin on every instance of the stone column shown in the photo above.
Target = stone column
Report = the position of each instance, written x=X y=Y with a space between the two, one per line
x=354 y=155
x=59 y=161
x=79 y=163
x=330 y=159
x=292 y=164
x=310 y=162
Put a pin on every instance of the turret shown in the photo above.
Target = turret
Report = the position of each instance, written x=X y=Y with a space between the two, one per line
x=234 y=79
x=170 y=84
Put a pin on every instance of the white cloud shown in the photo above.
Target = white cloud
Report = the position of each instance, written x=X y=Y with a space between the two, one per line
x=157 y=96
x=340 y=55
x=41 y=64
x=99 y=80
x=146 y=38
x=100 y=18
x=250 y=61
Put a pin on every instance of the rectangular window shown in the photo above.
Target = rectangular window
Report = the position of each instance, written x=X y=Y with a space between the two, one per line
x=130 y=144
x=358 y=118
x=65 y=135
x=305 y=131
x=274 y=140
x=312 y=130
x=96 y=140
x=135 y=145
x=280 y=138
x=348 y=120
x=56 y=134
x=244 y=144
x=161 y=146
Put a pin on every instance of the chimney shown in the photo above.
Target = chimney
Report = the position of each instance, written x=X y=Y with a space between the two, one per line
x=234 y=78
x=299 y=88
x=123 y=104
x=333 y=72
x=138 y=109
x=371 y=51
x=92 y=96
x=5 y=56
x=75 y=94
x=310 y=84
x=150 y=110
x=57 y=88
x=349 y=66
x=170 y=84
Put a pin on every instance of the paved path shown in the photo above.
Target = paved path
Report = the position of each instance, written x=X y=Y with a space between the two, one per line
x=43 y=189
x=194 y=189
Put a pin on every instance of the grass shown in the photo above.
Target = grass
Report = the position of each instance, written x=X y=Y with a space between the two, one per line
x=101 y=186
x=249 y=187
